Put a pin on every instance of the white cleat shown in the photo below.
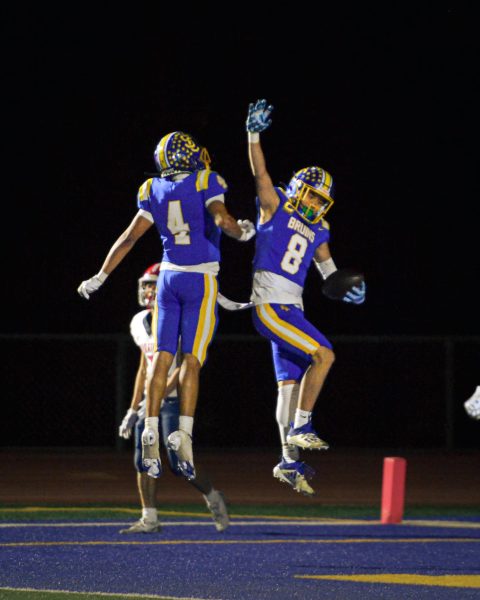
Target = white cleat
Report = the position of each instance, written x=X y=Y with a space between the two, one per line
x=306 y=437
x=296 y=475
x=151 y=453
x=181 y=443
x=216 y=505
x=143 y=526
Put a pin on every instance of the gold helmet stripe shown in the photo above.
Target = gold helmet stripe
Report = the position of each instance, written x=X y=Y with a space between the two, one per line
x=162 y=158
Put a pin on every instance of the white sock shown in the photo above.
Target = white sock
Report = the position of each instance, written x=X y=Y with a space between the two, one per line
x=151 y=423
x=287 y=399
x=149 y=514
x=186 y=424
x=302 y=417
x=290 y=453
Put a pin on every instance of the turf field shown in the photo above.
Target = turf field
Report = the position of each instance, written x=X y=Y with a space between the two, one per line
x=268 y=552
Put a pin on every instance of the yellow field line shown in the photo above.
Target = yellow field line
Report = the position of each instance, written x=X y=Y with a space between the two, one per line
x=463 y=581
x=73 y=509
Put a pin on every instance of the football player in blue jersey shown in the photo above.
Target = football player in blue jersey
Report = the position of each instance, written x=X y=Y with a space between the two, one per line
x=186 y=204
x=291 y=232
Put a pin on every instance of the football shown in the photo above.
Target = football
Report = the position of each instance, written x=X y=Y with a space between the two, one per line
x=340 y=282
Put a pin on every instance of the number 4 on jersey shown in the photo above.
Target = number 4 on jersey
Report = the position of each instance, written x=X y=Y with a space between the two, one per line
x=176 y=225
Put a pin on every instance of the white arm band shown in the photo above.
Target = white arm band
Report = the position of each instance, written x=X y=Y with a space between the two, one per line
x=219 y=197
x=145 y=214
x=326 y=267
x=253 y=137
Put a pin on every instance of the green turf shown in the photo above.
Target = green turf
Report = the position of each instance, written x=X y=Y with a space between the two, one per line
x=184 y=511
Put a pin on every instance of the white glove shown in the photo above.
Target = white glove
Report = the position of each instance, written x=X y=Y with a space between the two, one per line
x=91 y=285
x=125 y=429
x=248 y=230
x=231 y=304
x=472 y=405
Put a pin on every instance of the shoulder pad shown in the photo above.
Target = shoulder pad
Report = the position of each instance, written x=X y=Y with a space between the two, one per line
x=285 y=203
x=144 y=190
x=206 y=177
x=325 y=224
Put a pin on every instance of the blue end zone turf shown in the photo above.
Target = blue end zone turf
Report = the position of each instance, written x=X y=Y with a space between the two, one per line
x=256 y=559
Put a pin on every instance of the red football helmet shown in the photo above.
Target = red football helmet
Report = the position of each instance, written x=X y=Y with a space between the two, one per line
x=146 y=296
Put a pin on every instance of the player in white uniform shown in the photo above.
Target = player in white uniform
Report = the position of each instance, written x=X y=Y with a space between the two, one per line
x=141 y=331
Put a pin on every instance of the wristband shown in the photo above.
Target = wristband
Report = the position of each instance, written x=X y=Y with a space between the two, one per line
x=326 y=267
x=253 y=137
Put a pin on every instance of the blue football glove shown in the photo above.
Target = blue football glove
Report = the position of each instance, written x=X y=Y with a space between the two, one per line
x=356 y=295
x=258 y=118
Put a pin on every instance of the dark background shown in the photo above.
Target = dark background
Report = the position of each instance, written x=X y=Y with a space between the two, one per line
x=386 y=100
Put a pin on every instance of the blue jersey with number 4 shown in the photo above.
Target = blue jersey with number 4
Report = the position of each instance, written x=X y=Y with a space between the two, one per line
x=285 y=245
x=187 y=230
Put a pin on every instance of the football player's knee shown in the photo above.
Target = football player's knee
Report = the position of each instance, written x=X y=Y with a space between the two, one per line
x=191 y=361
x=324 y=356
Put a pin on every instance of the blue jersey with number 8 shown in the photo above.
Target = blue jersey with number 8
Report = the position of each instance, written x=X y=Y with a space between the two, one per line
x=285 y=245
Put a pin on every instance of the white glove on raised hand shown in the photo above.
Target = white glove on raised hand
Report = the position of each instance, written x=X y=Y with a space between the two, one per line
x=91 y=285
x=248 y=230
x=129 y=420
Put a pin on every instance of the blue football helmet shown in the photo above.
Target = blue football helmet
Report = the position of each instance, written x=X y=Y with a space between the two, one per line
x=310 y=193
x=179 y=152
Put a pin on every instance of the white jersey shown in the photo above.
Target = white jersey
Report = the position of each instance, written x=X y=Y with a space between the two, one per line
x=141 y=330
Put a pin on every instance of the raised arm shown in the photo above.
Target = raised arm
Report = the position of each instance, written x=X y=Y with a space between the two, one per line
x=116 y=254
x=258 y=120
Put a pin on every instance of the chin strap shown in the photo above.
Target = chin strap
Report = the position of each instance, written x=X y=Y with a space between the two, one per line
x=168 y=173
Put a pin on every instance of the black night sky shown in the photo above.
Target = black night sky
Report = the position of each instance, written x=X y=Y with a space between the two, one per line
x=386 y=101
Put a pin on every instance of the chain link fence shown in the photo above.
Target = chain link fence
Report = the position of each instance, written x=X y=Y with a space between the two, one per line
x=383 y=391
